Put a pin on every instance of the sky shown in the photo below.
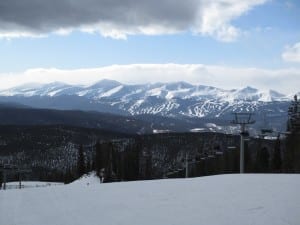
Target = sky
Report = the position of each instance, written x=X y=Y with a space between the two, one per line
x=222 y=43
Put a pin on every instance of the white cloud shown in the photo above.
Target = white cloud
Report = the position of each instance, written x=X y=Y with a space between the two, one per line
x=283 y=80
x=292 y=53
x=215 y=17
x=120 y=18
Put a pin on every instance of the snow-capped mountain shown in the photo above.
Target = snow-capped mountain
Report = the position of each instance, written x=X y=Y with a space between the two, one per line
x=167 y=99
x=114 y=89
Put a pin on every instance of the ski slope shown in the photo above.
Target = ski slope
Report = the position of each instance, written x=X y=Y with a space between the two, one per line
x=251 y=199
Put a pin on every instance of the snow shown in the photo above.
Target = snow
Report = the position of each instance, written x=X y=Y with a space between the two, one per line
x=183 y=93
x=260 y=199
x=165 y=99
x=111 y=91
x=107 y=88
x=155 y=92
x=55 y=92
x=155 y=131
x=89 y=179
x=195 y=130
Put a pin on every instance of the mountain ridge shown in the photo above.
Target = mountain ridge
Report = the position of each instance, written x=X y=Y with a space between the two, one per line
x=174 y=100
x=33 y=89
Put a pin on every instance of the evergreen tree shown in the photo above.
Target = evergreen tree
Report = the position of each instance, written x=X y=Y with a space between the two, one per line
x=276 y=158
x=88 y=166
x=289 y=154
x=109 y=174
x=80 y=162
x=98 y=161
x=131 y=162
x=294 y=116
x=248 y=159
x=262 y=160
x=106 y=161
x=1 y=179
x=236 y=160
x=68 y=176
x=148 y=170
x=116 y=164
x=291 y=161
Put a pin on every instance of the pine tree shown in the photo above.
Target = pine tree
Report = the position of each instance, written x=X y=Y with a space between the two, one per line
x=262 y=160
x=68 y=176
x=276 y=158
x=80 y=162
x=88 y=166
x=236 y=160
x=109 y=162
x=294 y=116
x=148 y=170
x=248 y=159
x=291 y=162
x=1 y=179
x=98 y=161
x=116 y=164
x=131 y=162
x=106 y=161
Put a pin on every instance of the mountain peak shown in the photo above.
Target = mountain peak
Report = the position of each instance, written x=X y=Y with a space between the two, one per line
x=31 y=85
x=105 y=83
x=136 y=94
x=54 y=84
x=178 y=85
x=248 y=90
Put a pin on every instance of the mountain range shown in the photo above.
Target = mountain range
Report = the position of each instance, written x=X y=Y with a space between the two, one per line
x=178 y=100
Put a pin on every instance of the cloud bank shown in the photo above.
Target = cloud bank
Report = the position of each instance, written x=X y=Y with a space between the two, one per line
x=283 y=80
x=119 y=18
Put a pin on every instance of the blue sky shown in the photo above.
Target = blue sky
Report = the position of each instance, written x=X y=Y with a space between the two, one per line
x=262 y=35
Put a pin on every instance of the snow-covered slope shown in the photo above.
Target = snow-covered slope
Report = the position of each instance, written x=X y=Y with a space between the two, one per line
x=167 y=99
x=87 y=179
x=217 y=200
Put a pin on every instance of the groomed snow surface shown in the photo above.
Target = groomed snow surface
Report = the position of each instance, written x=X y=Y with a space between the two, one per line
x=251 y=199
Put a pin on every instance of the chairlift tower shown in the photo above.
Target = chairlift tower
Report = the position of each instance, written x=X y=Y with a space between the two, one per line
x=243 y=119
x=7 y=169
